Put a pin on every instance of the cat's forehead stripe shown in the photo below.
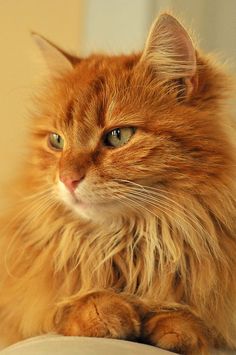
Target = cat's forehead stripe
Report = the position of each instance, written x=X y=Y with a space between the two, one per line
x=70 y=111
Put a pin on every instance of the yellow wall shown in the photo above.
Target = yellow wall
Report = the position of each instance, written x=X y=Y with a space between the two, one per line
x=52 y=18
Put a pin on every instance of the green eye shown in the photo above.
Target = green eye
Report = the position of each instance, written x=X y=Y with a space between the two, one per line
x=56 y=141
x=119 y=136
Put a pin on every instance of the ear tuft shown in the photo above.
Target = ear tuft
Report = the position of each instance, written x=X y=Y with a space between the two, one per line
x=57 y=60
x=170 y=51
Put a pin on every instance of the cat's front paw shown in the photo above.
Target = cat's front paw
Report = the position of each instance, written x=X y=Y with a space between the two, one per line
x=101 y=314
x=177 y=331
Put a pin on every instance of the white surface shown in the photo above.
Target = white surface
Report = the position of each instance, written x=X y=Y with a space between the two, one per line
x=59 y=345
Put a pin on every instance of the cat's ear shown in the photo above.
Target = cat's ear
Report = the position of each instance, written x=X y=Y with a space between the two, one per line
x=57 y=60
x=170 y=51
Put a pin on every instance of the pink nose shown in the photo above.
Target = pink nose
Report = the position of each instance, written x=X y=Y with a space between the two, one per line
x=70 y=182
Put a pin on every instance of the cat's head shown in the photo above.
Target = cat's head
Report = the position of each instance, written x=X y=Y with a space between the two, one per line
x=120 y=135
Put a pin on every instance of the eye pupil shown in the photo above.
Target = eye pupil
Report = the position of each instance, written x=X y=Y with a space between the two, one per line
x=116 y=133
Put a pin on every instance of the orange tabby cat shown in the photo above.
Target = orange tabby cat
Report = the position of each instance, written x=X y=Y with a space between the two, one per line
x=123 y=222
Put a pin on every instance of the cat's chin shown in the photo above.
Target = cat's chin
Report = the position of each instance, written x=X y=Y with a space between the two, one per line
x=89 y=210
x=97 y=212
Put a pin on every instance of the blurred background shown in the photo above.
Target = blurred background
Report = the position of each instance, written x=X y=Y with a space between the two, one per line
x=82 y=26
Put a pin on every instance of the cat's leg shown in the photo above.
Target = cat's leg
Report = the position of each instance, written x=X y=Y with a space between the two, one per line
x=101 y=314
x=177 y=328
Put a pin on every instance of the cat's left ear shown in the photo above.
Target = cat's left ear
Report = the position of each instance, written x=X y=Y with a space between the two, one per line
x=57 y=60
x=170 y=52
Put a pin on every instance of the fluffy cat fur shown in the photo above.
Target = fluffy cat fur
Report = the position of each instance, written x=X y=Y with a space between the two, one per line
x=147 y=249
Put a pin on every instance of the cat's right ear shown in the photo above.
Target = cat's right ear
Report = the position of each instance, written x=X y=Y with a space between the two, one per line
x=170 y=52
x=57 y=60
